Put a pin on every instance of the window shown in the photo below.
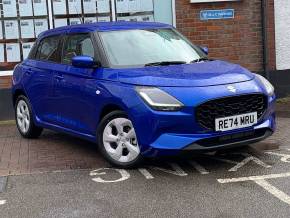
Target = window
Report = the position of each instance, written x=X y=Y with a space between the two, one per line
x=76 y=45
x=48 y=49
x=140 y=47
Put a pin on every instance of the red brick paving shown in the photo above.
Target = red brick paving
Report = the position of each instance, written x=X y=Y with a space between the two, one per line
x=52 y=151
x=55 y=151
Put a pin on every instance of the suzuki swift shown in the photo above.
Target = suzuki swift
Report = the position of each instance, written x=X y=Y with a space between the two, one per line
x=138 y=90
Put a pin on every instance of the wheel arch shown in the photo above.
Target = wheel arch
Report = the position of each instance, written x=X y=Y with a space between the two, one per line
x=16 y=94
x=108 y=108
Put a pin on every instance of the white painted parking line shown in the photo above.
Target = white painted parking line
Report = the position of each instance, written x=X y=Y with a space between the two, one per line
x=273 y=190
x=284 y=157
x=102 y=171
x=247 y=160
x=261 y=181
x=253 y=178
x=146 y=173
x=2 y=202
x=198 y=167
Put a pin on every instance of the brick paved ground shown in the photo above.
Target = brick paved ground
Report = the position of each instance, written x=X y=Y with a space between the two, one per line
x=55 y=151
x=52 y=151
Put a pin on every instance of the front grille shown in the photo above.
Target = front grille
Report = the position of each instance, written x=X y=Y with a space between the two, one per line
x=207 y=112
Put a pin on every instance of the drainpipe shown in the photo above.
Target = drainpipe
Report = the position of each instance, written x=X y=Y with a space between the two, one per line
x=264 y=14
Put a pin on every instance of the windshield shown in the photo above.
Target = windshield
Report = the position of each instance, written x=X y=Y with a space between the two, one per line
x=143 y=47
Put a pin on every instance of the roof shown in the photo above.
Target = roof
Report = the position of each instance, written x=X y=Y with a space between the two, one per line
x=103 y=27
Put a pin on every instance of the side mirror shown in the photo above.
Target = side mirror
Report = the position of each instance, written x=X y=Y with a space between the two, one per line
x=84 y=61
x=204 y=49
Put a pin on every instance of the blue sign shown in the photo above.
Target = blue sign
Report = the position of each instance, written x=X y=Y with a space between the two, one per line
x=217 y=14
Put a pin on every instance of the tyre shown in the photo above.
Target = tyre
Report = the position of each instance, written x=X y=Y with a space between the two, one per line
x=117 y=140
x=24 y=119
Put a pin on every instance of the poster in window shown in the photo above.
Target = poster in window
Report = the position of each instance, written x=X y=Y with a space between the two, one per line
x=40 y=25
x=74 y=6
x=103 y=6
x=59 y=7
x=133 y=18
x=90 y=20
x=11 y=29
x=26 y=47
x=13 y=52
x=146 y=18
x=60 y=22
x=39 y=7
x=104 y=19
x=128 y=18
x=122 y=18
x=134 y=6
x=75 y=21
x=1 y=31
x=27 y=30
x=146 y=5
x=90 y=6
x=2 y=53
x=9 y=8
x=25 y=8
x=122 y=6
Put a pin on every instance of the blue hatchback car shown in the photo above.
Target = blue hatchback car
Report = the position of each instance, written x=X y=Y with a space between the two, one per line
x=138 y=90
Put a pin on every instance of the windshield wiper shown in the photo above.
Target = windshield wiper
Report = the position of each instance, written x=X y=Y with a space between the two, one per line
x=165 y=63
x=200 y=60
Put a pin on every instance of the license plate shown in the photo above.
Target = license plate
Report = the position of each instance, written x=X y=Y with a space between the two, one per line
x=236 y=122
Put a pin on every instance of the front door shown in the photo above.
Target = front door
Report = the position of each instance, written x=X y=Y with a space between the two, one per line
x=74 y=86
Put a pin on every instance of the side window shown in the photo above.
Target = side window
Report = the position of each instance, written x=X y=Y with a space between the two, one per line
x=48 y=49
x=75 y=45
x=32 y=52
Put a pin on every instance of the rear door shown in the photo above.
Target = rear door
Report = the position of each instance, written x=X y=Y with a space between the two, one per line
x=39 y=77
x=76 y=87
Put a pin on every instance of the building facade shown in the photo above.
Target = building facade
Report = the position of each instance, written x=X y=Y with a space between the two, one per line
x=254 y=34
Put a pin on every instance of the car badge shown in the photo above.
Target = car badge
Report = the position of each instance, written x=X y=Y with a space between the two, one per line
x=232 y=89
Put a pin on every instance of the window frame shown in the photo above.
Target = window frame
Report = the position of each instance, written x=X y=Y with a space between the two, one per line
x=39 y=44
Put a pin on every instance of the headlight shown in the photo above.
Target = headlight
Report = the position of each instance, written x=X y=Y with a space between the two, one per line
x=158 y=99
x=268 y=86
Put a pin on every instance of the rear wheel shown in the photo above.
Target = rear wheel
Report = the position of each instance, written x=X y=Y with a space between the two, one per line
x=24 y=119
x=117 y=140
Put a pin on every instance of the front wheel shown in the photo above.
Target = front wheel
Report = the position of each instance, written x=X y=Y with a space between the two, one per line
x=117 y=140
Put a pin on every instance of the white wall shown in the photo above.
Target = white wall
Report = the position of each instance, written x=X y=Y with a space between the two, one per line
x=282 y=34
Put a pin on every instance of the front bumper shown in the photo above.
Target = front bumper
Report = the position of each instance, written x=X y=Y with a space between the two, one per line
x=167 y=133
x=171 y=144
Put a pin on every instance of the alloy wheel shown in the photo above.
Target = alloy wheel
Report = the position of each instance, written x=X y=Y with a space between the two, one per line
x=120 y=141
x=23 y=116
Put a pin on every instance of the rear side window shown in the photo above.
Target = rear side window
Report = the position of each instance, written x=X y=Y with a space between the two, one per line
x=48 y=49
x=32 y=52
x=76 y=45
